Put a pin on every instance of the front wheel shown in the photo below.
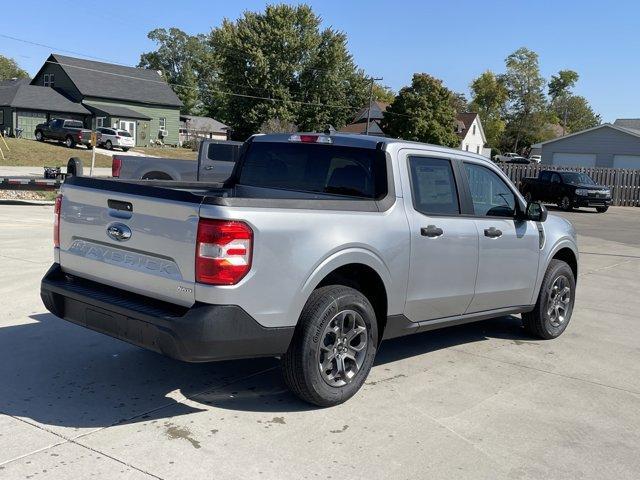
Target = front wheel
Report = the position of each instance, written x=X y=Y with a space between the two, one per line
x=554 y=307
x=565 y=204
x=39 y=136
x=601 y=209
x=333 y=348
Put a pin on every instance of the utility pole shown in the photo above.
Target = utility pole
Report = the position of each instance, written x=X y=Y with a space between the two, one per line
x=373 y=80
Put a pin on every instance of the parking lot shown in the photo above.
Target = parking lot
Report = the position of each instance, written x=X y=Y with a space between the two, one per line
x=481 y=401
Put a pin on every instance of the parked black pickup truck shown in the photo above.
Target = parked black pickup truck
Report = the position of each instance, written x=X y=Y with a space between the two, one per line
x=71 y=132
x=567 y=190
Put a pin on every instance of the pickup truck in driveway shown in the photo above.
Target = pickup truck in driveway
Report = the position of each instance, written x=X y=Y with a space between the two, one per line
x=71 y=132
x=215 y=162
x=314 y=250
x=566 y=189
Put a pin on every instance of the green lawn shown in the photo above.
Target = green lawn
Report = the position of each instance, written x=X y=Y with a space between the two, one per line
x=169 y=152
x=29 y=153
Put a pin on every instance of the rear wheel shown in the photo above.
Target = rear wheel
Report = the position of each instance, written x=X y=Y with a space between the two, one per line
x=125 y=149
x=333 y=348
x=554 y=307
x=601 y=209
x=109 y=145
x=69 y=142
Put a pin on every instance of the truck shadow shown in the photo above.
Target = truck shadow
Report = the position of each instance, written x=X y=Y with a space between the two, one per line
x=59 y=374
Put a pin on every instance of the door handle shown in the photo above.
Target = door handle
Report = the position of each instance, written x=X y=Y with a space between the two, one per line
x=209 y=167
x=492 y=232
x=431 y=231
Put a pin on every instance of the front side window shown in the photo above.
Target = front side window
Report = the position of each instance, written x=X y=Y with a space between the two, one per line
x=163 y=123
x=433 y=186
x=555 y=178
x=490 y=194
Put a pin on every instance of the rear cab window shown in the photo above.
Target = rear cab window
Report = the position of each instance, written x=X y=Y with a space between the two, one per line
x=319 y=168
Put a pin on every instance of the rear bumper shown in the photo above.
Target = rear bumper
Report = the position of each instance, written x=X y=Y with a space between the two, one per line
x=200 y=333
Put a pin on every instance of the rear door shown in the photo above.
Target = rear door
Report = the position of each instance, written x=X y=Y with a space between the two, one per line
x=509 y=249
x=444 y=244
x=216 y=160
x=136 y=238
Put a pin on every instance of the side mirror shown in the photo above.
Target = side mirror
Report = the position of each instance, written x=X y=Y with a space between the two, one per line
x=536 y=212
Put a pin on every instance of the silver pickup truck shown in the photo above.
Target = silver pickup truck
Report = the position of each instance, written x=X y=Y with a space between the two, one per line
x=314 y=250
x=214 y=164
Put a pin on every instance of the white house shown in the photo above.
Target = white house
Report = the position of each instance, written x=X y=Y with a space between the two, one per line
x=472 y=138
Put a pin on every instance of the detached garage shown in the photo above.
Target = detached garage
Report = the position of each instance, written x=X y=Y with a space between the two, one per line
x=604 y=146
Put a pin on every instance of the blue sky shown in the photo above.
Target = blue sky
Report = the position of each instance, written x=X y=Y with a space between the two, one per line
x=454 y=41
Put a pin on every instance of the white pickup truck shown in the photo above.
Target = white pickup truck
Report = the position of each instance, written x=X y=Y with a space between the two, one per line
x=314 y=250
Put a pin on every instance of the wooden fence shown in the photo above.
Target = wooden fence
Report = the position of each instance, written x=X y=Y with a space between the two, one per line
x=624 y=184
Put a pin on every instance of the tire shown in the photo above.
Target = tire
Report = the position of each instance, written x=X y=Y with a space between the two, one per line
x=326 y=308
x=156 y=176
x=69 y=142
x=125 y=149
x=545 y=321
x=601 y=209
x=89 y=147
x=108 y=145
x=566 y=204
x=39 y=136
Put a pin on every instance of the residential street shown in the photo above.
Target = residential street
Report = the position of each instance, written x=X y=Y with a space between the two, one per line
x=481 y=401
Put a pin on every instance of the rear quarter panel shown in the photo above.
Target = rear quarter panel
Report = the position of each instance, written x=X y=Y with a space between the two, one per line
x=295 y=249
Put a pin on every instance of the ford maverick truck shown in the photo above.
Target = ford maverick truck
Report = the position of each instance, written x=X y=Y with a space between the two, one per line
x=315 y=249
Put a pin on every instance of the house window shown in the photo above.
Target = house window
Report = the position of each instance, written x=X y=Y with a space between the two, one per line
x=466 y=147
x=163 y=123
x=48 y=80
x=1 y=117
x=100 y=121
x=477 y=148
x=474 y=129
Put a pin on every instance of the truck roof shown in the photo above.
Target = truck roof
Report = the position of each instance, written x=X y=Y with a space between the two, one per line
x=368 y=141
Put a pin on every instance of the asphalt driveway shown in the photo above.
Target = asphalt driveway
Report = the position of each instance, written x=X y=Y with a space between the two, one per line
x=480 y=401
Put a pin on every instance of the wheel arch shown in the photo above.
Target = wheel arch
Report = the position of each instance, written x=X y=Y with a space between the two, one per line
x=356 y=268
x=568 y=256
x=156 y=175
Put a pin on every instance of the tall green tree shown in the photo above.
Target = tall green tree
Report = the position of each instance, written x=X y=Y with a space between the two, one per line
x=527 y=114
x=283 y=54
x=423 y=112
x=459 y=102
x=9 y=69
x=575 y=113
x=181 y=59
x=489 y=101
x=382 y=93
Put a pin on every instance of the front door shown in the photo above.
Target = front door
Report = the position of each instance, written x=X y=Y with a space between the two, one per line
x=129 y=127
x=509 y=248
x=444 y=244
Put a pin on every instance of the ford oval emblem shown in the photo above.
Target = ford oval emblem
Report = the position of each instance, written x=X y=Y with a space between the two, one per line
x=119 y=232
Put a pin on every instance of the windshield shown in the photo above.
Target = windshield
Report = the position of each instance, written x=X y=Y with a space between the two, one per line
x=575 y=178
x=354 y=172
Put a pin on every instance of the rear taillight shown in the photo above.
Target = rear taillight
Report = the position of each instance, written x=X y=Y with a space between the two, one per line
x=56 y=221
x=116 y=166
x=223 y=251
x=80 y=136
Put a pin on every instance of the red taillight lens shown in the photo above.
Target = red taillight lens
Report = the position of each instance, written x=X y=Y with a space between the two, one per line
x=56 y=221
x=79 y=136
x=116 y=166
x=223 y=251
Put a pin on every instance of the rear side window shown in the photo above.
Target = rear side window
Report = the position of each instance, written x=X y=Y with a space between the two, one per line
x=433 y=186
x=545 y=176
x=123 y=133
x=333 y=169
x=221 y=152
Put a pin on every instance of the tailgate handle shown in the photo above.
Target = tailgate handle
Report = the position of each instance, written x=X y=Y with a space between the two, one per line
x=120 y=205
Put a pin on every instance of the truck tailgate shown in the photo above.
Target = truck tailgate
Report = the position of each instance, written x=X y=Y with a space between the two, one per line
x=141 y=243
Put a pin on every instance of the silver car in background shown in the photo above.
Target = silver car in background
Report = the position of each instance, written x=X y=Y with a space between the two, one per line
x=113 y=137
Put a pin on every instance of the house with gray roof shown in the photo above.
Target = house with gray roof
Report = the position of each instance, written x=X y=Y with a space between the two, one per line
x=100 y=94
x=193 y=127
x=605 y=146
